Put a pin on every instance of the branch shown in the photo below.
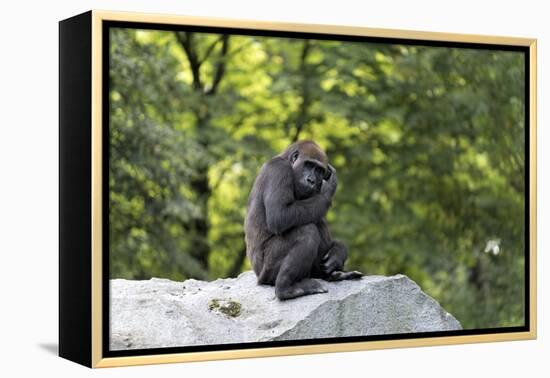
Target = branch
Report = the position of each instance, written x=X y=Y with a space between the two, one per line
x=220 y=67
x=210 y=49
x=185 y=39
x=240 y=48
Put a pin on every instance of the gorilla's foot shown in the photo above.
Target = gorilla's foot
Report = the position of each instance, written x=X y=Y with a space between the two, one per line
x=304 y=287
x=338 y=275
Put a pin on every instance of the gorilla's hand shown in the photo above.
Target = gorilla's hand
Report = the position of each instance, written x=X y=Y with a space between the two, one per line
x=329 y=264
x=329 y=186
x=334 y=259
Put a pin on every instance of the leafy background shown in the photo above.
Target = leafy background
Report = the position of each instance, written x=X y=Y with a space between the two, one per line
x=428 y=143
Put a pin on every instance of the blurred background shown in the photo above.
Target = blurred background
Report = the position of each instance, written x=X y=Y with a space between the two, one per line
x=428 y=143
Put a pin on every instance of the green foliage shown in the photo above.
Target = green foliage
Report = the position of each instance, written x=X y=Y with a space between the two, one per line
x=428 y=143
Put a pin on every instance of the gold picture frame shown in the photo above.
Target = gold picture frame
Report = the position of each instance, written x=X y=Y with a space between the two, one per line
x=82 y=275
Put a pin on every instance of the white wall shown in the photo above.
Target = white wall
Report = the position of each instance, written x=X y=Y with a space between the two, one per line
x=28 y=185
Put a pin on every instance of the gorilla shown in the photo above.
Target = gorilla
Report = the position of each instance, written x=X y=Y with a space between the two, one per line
x=288 y=241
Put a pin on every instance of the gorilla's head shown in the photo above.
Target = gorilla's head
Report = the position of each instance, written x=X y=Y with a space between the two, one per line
x=310 y=166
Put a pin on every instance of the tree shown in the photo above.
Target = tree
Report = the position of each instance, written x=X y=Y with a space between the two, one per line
x=428 y=143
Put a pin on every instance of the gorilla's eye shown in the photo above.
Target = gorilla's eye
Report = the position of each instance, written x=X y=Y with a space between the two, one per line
x=319 y=171
x=294 y=157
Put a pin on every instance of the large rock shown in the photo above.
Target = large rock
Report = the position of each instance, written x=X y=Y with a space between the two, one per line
x=163 y=313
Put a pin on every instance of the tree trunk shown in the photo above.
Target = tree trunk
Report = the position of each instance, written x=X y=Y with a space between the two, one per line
x=200 y=184
x=201 y=188
x=303 y=117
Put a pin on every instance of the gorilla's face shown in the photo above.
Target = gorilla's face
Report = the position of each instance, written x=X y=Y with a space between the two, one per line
x=308 y=176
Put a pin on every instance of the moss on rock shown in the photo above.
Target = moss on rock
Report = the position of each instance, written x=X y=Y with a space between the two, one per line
x=225 y=306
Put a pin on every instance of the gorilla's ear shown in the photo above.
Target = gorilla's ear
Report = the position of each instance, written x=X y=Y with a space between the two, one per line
x=294 y=157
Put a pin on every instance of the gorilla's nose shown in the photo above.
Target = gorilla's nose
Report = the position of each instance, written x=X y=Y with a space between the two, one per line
x=310 y=181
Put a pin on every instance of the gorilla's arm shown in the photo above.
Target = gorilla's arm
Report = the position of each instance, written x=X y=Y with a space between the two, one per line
x=282 y=210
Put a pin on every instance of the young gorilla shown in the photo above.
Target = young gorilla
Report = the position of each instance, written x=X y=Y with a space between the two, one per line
x=287 y=238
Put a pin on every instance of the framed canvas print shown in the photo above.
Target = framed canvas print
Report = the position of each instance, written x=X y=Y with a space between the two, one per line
x=234 y=189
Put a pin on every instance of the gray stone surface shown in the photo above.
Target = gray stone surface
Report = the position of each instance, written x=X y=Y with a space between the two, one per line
x=164 y=313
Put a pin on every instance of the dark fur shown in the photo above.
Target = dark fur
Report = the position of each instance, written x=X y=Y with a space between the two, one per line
x=287 y=238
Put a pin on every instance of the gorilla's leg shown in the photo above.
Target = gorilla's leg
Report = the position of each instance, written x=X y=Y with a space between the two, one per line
x=293 y=279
